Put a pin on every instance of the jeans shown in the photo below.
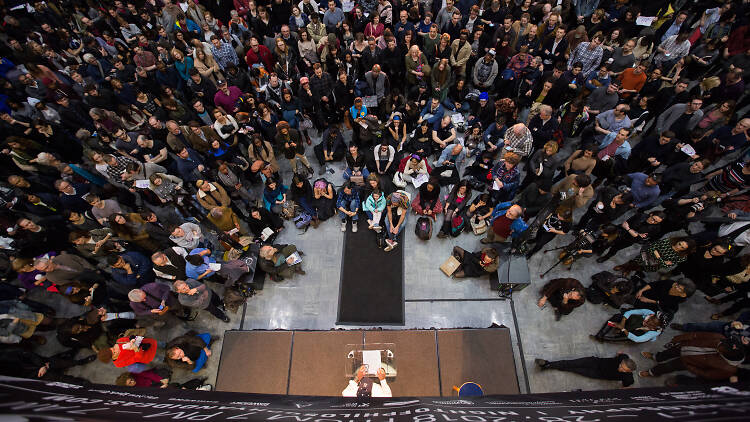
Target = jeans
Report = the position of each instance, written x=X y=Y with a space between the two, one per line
x=713 y=327
x=352 y=207
x=400 y=229
x=370 y=216
x=307 y=207
x=136 y=368
x=348 y=173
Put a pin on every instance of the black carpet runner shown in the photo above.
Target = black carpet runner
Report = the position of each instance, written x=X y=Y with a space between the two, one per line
x=372 y=280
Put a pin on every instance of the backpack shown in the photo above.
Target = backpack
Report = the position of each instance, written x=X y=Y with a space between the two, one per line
x=457 y=225
x=302 y=220
x=423 y=229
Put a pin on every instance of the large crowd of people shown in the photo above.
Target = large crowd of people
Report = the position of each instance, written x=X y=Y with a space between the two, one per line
x=147 y=149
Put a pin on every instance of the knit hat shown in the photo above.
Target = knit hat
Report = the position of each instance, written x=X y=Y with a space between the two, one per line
x=484 y=96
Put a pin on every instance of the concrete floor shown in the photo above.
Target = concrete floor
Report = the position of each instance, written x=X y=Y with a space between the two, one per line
x=310 y=302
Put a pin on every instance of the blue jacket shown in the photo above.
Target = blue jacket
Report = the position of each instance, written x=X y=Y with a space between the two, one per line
x=647 y=336
x=517 y=227
x=344 y=201
x=187 y=168
x=621 y=151
x=194 y=271
x=436 y=116
x=643 y=195
x=143 y=271
x=445 y=155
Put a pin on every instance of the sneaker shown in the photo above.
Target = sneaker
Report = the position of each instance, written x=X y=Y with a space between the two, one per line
x=369 y=225
x=354 y=227
x=393 y=244
x=377 y=228
x=205 y=387
x=543 y=364
x=389 y=245
x=343 y=226
x=310 y=172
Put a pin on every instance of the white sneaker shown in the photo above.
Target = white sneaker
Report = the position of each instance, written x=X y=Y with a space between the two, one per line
x=354 y=226
x=377 y=228
x=370 y=226
x=388 y=245
x=343 y=226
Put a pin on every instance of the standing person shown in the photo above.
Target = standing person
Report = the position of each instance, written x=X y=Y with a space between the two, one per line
x=588 y=53
x=558 y=223
x=292 y=145
x=196 y=295
x=619 y=368
x=564 y=294
x=711 y=356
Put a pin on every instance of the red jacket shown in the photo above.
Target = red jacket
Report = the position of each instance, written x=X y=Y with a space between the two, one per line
x=129 y=357
x=263 y=56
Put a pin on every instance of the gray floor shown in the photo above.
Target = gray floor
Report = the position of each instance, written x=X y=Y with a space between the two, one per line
x=310 y=302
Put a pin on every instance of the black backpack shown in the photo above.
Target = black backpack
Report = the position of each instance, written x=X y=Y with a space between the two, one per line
x=423 y=229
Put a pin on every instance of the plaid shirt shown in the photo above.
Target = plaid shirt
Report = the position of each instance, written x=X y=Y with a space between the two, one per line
x=115 y=172
x=225 y=54
x=589 y=58
x=519 y=144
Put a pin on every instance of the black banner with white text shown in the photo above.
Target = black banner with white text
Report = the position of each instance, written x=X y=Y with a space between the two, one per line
x=40 y=400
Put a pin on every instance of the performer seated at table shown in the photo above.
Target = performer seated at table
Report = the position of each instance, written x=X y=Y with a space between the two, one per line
x=364 y=387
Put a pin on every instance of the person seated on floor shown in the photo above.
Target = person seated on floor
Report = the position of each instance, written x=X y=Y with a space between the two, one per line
x=363 y=387
x=411 y=169
x=619 y=368
x=133 y=353
x=637 y=325
x=150 y=378
x=189 y=351
x=449 y=165
x=374 y=206
x=261 y=219
x=507 y=221
x=613 y=289
x=664 y=295
x=356 y=170
x=420 y=142
x=428 y=202
x=475 y=264
x=348 y=204
x=331 y=147
x=397 y=209
x=456 y=204
x=564 y=294
x=274 y=195
x=280 y=261
x=324 y=199
x=200 y=265
x=384 y=158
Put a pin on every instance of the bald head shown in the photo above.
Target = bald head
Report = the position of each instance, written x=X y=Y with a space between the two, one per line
x=519 y=129
x=457 y=149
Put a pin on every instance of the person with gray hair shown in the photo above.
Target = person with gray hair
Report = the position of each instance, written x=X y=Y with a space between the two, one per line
x=196 y=295
x=154 y=304
x=280 y=261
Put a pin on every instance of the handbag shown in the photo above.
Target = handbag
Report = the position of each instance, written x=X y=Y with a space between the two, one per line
x=479 y=227
x=305 y=124
x=398 y=180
